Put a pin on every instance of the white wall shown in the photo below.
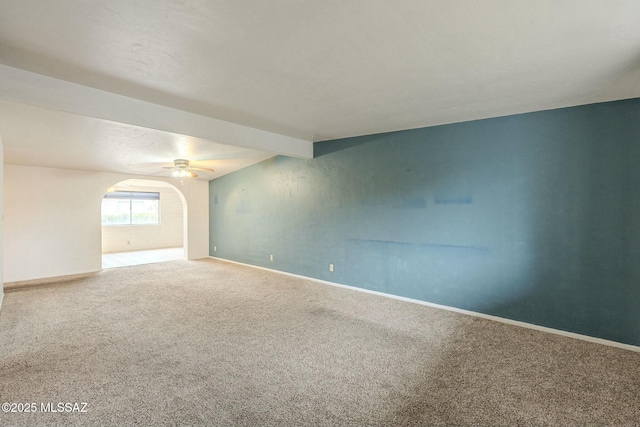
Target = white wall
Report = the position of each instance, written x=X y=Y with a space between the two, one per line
x=168 y=234
x=52 y=220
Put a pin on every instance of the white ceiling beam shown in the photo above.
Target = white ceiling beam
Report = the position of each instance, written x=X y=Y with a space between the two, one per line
x=35 y=89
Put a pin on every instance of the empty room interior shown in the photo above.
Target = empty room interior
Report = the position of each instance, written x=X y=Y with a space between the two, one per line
x=362 y=212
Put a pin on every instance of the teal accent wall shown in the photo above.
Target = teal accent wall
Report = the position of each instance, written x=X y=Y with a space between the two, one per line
x=533 y=217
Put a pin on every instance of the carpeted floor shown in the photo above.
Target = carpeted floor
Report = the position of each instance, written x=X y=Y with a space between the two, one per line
x=212 y=343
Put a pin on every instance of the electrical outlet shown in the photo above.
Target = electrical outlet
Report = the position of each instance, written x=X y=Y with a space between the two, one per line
x=331 y=268
x=215 y=248
x=270 y=257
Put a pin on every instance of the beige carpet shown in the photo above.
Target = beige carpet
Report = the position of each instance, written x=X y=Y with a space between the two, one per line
x=212 y=343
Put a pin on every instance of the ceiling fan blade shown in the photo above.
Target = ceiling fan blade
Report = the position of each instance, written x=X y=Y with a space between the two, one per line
x=196 y=168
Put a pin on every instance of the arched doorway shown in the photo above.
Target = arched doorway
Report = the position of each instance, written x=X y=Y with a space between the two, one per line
x=143 y=221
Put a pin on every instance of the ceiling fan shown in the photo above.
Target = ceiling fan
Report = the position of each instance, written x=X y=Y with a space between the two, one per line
x=182 y=169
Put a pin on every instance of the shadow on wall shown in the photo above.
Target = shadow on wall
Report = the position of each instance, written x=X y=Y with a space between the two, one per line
x=585 y=247
x=528 y=217
x=328 y=147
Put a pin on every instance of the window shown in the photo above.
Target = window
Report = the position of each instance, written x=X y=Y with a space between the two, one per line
x=131 y=208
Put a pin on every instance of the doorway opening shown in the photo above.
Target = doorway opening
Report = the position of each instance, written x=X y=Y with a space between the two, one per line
x=143 y=222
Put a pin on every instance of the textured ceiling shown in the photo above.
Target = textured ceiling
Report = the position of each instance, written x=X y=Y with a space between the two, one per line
x=318 y=70
x=43 y=137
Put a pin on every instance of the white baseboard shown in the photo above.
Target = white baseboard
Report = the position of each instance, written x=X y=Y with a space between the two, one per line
x=454 y=309
x=23 y=284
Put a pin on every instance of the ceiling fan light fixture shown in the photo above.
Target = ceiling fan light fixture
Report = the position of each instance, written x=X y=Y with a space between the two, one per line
x=182 y=173
x=181 y=169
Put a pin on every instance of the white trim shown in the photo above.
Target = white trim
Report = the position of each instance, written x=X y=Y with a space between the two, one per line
x=454 y=309
x=43 y=281
x=1 y=299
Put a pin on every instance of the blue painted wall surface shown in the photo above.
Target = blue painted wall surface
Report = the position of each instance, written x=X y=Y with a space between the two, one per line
x=534 y=217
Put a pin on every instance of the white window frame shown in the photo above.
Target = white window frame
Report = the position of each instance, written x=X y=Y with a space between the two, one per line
x=131 y=196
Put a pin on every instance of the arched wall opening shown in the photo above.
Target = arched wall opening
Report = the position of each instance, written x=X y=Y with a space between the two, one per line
x=51 y=225
x=143 y=221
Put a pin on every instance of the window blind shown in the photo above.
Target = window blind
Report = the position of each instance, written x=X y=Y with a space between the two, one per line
x=133 y=195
